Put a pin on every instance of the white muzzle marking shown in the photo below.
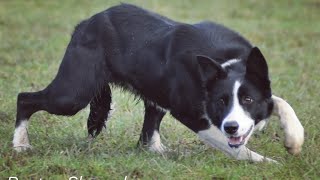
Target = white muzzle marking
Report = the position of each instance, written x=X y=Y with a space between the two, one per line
x=239 y=115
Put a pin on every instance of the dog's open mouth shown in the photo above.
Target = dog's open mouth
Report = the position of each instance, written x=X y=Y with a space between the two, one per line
x=235 y=142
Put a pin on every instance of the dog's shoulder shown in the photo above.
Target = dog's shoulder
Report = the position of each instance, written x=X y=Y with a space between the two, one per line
x=224 y=43
x=133 y=16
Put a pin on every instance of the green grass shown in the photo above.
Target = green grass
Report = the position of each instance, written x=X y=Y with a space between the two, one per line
x=34 y=35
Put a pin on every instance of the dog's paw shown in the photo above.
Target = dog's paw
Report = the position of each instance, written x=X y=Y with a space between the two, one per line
x=22 y=148
x=269 y=160
x=293 y=130
x=294 y=138
x=157 y=148
x=90 y=138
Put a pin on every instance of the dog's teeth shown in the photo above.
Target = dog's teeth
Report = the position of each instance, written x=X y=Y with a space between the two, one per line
x=241 y=138
x=234 y=140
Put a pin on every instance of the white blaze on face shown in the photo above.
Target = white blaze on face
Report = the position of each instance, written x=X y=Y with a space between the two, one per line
x=239 y=115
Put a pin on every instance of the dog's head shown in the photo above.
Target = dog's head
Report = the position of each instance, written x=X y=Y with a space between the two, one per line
x=239 y=95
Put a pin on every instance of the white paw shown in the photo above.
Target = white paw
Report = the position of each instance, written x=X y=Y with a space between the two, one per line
x=22 y=148
x=155 y=144
x=20 y=137
x=158 y=148
x=293 y=130
x=90 y=138
x=269 y=160
x=294 y=137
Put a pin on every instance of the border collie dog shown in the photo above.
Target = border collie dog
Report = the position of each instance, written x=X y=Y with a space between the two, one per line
x=207 y=76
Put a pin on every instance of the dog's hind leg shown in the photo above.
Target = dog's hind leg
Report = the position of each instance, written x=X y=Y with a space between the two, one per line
x=81 y=75
x=27 y=104
x=99 y=111
x=150 y=136
x=293 y=130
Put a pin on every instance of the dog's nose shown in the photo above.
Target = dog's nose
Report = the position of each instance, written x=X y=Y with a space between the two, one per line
x=231 y=127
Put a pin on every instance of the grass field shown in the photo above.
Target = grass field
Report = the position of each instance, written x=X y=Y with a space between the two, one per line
x=34 y=35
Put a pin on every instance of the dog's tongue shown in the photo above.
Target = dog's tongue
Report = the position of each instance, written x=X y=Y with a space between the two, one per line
x=235 y=140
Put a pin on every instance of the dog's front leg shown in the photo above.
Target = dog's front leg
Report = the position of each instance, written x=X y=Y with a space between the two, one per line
x=293 y=130
x=215 y=138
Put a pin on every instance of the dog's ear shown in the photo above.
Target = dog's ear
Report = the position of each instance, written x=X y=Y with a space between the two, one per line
x=257 y=70
x=256 y=64
x=209 y=68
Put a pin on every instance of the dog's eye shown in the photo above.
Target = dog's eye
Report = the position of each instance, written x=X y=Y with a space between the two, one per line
x=247 y=100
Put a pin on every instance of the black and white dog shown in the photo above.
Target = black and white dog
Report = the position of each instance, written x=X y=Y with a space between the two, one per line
x=207 y=76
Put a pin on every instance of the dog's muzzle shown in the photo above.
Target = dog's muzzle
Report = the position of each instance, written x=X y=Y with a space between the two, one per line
x=236 y=141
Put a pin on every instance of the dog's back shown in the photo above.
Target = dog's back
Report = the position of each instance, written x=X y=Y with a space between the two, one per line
x=126 y=31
